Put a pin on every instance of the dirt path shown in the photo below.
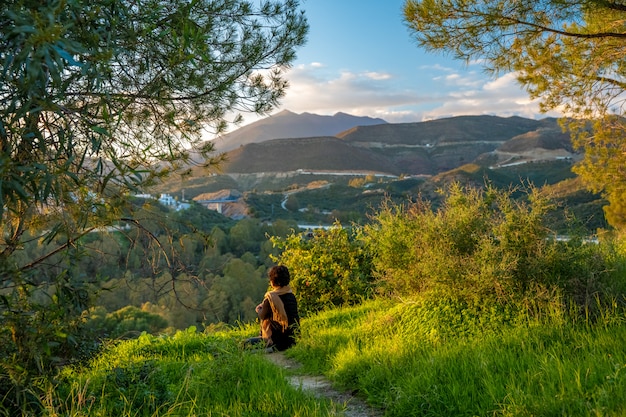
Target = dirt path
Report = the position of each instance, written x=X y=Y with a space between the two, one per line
x=322 y=388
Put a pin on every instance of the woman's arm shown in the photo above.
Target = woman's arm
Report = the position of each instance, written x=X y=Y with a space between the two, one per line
x=264 y=310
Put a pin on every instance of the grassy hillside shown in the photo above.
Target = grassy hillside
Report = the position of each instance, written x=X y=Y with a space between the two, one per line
x=418 y=358
x=188 y=374
x=469 y=310
x=406 y=358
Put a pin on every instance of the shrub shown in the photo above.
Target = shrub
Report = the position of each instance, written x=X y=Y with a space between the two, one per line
x=40 y=330
x=482 y=244
x=328 y=267
x=126 y=322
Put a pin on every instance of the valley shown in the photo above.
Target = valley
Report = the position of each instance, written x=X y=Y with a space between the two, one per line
x=345 y=177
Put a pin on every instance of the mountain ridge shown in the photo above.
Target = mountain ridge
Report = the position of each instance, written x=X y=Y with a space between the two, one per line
x=420 y=148
x=343 y=174
x=287 y=124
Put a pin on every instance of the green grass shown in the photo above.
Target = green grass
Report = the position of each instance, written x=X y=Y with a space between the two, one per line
x=408 y=358
x=189 y=374
x=410 y=362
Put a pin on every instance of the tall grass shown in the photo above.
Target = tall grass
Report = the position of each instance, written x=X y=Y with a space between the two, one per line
x=418 y=359
x=188 y=374
x=414 y=357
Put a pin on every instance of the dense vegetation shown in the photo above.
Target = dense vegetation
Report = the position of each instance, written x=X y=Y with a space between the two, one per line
x=99 y=100
x=169 y=270
x=472 y=308
x=323 y=198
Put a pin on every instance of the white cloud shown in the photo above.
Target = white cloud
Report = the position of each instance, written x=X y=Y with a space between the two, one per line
x=506 y=81
x=378 y=75
x=443 y=92
x=502 y=96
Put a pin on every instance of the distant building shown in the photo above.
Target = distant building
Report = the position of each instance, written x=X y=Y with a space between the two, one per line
x=167 y=200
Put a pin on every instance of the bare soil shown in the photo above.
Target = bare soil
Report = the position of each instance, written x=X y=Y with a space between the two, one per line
x=321 y=387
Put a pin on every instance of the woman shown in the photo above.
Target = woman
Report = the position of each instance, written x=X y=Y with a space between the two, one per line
x=278 y=312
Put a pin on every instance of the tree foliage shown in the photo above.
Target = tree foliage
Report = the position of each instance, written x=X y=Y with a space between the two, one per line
x=328 y=268
x=100 y=99
x=568 y=53
x=94 y=94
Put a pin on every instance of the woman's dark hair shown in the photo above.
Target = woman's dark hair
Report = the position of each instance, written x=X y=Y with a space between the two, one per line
x=279 y=275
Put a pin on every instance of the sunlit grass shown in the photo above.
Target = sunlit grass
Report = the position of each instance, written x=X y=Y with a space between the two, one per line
x=401 y=360
x=409 y=358
x=189 y=374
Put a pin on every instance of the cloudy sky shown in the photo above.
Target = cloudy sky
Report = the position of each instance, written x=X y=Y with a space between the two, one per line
x=360 y=59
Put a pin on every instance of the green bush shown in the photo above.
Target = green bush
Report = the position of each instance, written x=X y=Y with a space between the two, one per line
x=125 y=323
x=482 y=244
x=40 y=330
x=328 y=268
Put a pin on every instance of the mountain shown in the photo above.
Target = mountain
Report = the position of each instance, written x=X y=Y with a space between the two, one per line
x=326 y=153
x=448 y=130
x=471 y=150
x=287 y=124
x=423 y=148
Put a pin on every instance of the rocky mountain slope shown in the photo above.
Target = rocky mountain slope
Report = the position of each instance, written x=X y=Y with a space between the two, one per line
x=424 y=148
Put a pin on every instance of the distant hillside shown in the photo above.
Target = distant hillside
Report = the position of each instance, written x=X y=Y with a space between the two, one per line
x=425 y=148
x=426 y=155
x=287 y=124
x=447 y=130
x=315 y=153
x=550 y=138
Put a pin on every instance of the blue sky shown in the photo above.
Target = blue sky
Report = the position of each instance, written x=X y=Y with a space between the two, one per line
x=360 y=59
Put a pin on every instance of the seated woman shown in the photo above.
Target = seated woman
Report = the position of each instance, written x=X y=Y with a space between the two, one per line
x=278 y=312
